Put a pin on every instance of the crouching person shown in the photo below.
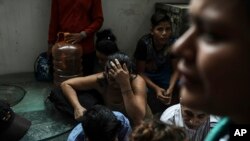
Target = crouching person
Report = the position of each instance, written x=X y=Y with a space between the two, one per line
x=101 y=124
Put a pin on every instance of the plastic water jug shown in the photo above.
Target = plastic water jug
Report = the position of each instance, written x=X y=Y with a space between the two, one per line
x=67 y=60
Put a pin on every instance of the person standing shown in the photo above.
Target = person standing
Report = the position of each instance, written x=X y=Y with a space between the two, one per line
x=81 y=19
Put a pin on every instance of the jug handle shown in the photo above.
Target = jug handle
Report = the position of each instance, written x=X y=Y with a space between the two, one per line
x=61 y=36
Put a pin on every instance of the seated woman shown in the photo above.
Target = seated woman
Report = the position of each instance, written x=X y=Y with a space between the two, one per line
x=121 y=89
x=155 y=63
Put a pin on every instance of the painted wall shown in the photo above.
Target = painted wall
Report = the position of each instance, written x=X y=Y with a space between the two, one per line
x=23 y=33
x=24 y=28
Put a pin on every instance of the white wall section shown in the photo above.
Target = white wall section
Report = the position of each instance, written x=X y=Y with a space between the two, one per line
x=24 y=28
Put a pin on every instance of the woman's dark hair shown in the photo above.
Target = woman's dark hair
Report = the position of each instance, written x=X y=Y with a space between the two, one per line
x=100 y=124
x=105 y=34
x=106 y=42
x=158 y=17
x=122 y=58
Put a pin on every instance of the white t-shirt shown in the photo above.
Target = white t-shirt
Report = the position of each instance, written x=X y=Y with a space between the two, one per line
x=173 y=116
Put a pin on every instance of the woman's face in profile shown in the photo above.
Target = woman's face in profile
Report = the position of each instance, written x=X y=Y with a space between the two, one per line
x=214 y=55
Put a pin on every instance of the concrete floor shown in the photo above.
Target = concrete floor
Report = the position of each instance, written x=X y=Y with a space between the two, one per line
x=47 y=122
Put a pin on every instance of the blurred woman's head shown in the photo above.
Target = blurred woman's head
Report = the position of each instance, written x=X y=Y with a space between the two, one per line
x=214 y=58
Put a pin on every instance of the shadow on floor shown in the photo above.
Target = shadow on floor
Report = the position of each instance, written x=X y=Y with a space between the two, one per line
x=47 y=122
